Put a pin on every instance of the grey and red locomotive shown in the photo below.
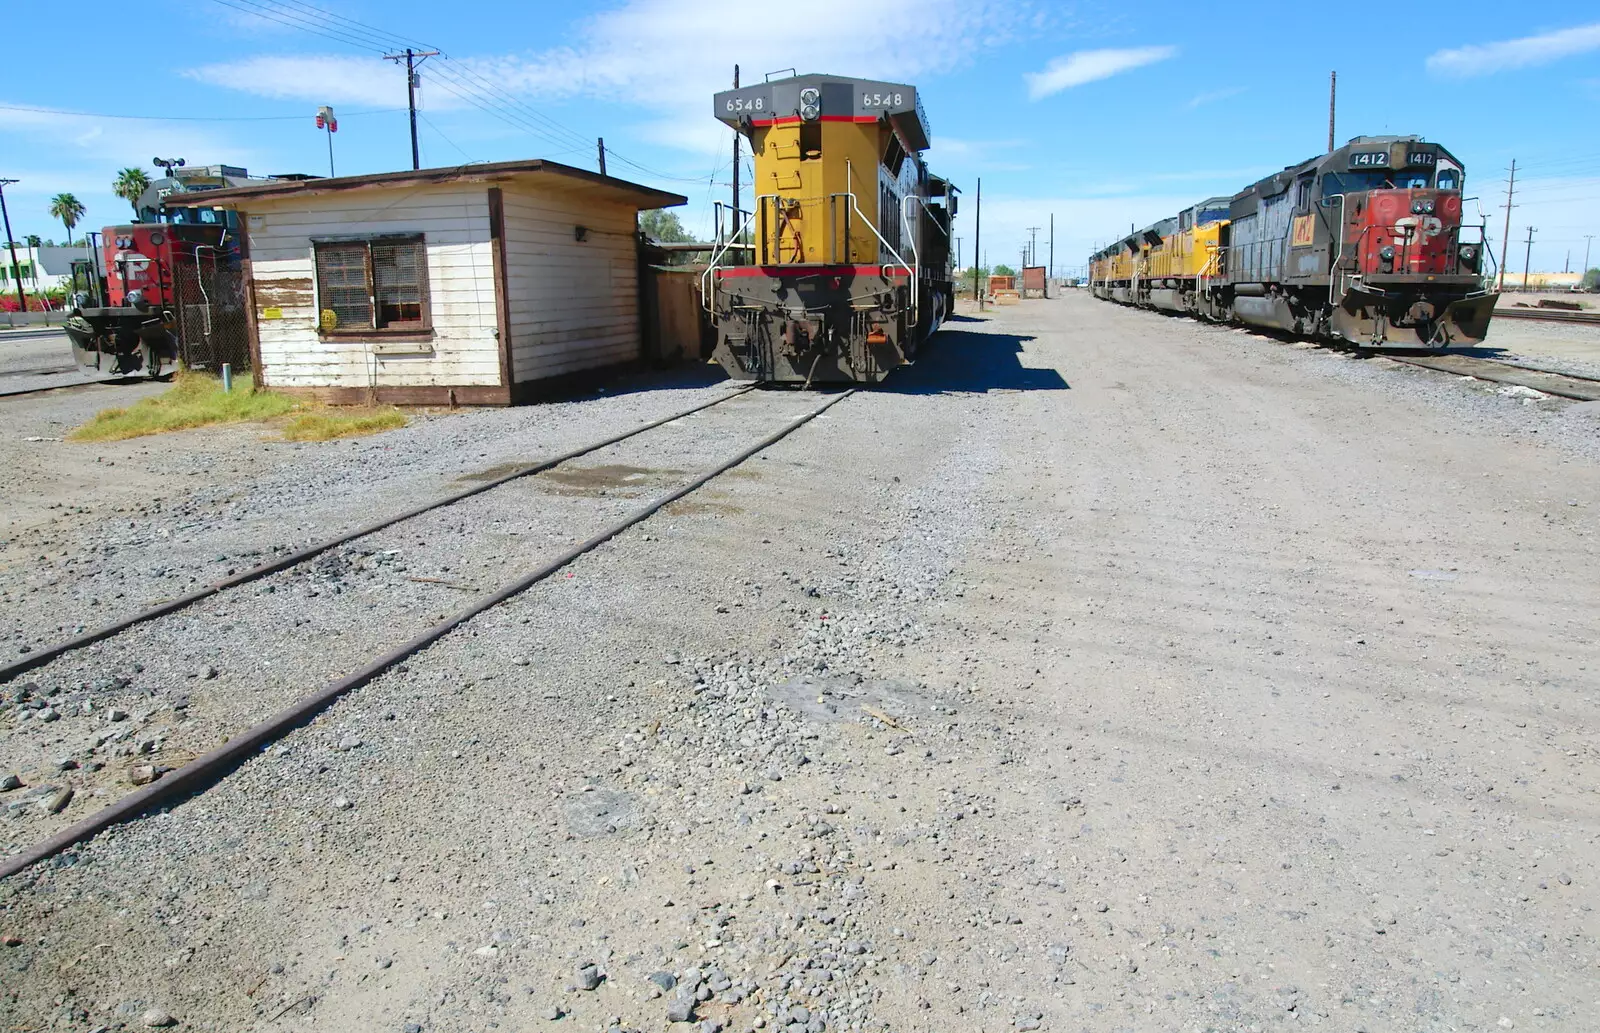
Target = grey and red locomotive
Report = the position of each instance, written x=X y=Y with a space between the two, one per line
x=1367 y=245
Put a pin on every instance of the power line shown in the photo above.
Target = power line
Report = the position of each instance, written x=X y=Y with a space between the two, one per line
x=185 y=118
x=460 y=81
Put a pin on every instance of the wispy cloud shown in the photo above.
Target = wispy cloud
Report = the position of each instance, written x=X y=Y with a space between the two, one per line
x=81 y=154
x=1213 y=97
x=1085 y=66
x=319 y=78
x=1484 y=58
x=616 y=57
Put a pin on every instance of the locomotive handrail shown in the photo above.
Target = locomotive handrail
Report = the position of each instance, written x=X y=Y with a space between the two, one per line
x=706 y=280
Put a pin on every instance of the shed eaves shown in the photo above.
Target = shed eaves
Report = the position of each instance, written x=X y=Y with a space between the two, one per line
x=642 y=196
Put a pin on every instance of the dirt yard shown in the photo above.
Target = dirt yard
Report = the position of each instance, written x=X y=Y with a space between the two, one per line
x=1105 y=671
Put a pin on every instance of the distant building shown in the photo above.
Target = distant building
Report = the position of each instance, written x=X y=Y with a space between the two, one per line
x=1543 y=281
x=41 y=269
x=477 y=284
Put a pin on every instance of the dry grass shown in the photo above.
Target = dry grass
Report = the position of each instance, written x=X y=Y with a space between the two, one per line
x=327 y=424
x=197 y=400
x=193 y=400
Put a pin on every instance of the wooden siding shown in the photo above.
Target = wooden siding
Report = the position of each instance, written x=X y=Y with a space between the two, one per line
x=574 y=305
x=454 y=220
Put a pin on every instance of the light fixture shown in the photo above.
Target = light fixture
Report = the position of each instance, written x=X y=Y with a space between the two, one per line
x=810 y=103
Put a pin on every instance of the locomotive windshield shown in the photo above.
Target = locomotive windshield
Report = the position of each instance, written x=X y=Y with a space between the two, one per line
x=1208 y=216
x=1357 y=181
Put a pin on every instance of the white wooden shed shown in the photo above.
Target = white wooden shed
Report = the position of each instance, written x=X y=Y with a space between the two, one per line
x=476 y=285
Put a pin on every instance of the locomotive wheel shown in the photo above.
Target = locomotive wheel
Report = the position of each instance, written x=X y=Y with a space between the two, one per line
x=152 y=361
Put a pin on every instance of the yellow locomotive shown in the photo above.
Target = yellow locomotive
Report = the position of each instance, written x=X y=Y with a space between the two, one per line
x=1167 y=265
x=841 y=270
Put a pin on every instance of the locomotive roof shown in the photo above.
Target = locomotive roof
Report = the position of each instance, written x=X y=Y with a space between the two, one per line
x=1278 y=182
x=840 y=97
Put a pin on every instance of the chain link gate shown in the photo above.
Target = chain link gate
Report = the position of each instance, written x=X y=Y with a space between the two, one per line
x=210 y=306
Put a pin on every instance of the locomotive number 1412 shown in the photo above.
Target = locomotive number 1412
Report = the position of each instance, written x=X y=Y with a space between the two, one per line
x=881 y=100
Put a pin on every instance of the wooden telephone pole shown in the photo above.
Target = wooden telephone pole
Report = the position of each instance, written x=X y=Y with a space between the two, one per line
x=412 y=58
x=1505 y=240
x=735 y=215
x=1333 y=93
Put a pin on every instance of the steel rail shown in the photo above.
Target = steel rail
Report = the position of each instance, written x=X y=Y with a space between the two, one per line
x=43 y=656
x=1561 y=385
x=1547 y=315
x=5 y=393
x=211 y=766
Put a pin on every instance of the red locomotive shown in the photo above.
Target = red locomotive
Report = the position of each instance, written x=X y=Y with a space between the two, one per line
x=154 y=268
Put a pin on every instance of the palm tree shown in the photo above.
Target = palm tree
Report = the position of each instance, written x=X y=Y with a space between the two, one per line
x=129 y=184
x=69 y=210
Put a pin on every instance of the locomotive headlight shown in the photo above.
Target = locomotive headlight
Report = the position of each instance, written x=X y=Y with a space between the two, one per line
x=810 y=103
x=1421 y=207
x=1469 y=256
x=1387 y=254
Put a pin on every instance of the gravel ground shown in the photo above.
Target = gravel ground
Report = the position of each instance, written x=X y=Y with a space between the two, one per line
x=82 y=548
x=1106 y=672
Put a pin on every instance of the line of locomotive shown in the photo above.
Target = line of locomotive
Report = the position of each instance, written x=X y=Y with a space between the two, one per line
x=1365 y=245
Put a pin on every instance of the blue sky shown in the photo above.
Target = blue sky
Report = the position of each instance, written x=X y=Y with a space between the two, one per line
x=1098 y=113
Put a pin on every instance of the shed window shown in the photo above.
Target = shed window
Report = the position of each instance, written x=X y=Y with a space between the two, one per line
x=377 y=284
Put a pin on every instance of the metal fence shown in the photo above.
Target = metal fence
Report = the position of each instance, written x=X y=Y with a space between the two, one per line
x=210 y=299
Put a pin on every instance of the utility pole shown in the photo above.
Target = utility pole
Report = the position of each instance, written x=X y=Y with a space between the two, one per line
x=600 y=145
x=16 y=270
x=1527 y=260
x=1505 y=241
x=413 y=58
x=1052 y=271
x=978 y=242
x=1588 y=239
x=1333 y=94
x=736 y=222
x=1033 y=246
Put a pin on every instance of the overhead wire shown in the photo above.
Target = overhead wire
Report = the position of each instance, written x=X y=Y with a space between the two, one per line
x=459 y=80
x=186 y=118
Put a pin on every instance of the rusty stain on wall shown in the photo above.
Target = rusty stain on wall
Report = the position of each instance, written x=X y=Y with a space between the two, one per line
x=294 y=293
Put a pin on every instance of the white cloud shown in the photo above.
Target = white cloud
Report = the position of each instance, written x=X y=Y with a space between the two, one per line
x=314 y=78
x=1213 y=97
x=81 y=154
x=1484 y=58
x=618 y=58
x=1086 y=66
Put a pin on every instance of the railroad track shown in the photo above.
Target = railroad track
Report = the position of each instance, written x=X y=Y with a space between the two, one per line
x=1548 y=315
x=213 y=765
x=1562 y=385
x=9 y=391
